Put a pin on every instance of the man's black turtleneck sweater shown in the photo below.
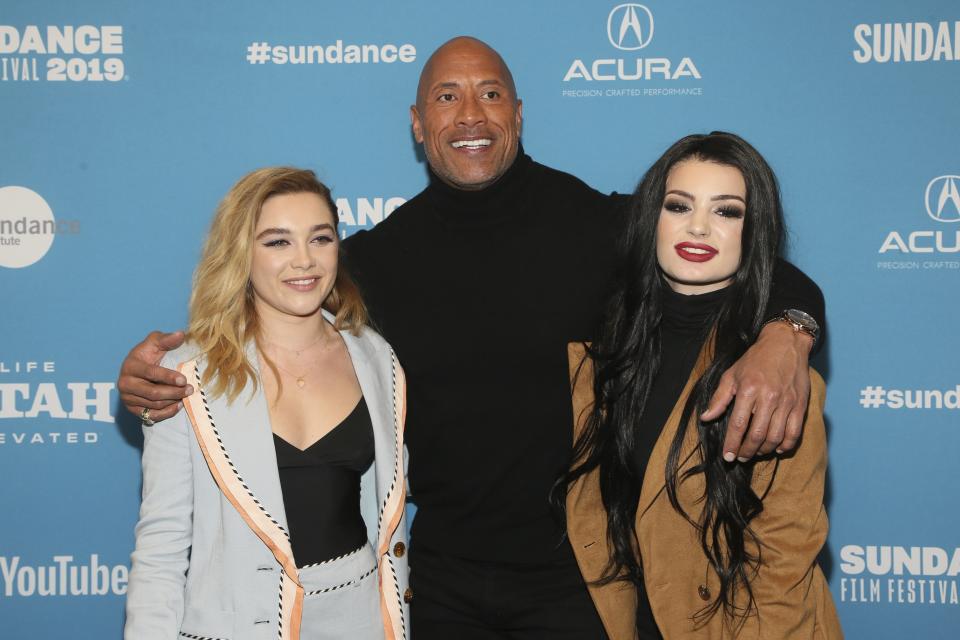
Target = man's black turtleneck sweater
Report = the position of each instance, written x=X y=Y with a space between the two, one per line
x=479 y=293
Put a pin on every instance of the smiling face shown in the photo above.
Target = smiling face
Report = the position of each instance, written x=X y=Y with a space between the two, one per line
x=295 y=251
x=701 y=225
x=467 y=114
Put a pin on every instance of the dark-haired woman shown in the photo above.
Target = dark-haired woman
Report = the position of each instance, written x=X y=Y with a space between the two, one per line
x=674 y=541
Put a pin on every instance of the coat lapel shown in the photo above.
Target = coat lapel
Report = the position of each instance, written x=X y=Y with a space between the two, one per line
x=586 y=518
x=224 y=455
x=385 y=392
x=247 y=436
x=374 y=389
x=383 y=384
x=584 y=494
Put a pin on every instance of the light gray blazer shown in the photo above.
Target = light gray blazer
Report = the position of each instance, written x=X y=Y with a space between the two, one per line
x=199 y=569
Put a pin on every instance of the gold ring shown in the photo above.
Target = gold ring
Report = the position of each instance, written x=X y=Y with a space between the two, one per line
x=145 y=417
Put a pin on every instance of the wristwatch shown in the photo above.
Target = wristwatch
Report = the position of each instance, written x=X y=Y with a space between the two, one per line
x=801 y=322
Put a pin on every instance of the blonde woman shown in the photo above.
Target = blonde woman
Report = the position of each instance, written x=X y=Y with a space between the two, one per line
x=273 y=506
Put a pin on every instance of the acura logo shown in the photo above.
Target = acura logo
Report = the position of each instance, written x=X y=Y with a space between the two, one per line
x=630 y=26
x=943 y=199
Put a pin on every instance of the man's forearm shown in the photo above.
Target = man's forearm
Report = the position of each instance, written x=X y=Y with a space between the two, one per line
x=793 y=289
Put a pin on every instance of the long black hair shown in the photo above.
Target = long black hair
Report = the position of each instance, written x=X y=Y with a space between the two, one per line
x=626 y=355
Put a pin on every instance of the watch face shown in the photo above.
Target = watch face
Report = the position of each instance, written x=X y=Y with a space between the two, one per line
x=803 y=319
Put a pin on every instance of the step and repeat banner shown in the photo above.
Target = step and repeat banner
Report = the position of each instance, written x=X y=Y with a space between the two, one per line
x=123 y=123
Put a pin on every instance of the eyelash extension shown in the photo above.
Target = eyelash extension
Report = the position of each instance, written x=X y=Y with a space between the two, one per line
x=725 y=212
x=730 y=212
x=676 y=207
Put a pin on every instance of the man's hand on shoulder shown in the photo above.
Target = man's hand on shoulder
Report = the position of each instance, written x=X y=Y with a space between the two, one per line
x=144 y=384
x=771 y=384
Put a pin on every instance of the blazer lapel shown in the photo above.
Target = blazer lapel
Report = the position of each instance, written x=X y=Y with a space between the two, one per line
x=374 y=390
x=583 y=496
x=383 y=389
x=247 y=436
x=586 y=517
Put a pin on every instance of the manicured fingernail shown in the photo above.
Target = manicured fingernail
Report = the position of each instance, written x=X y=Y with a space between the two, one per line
x=189 y=389
x=780 y=452
x=742 y=459
x=181 y=381
x=729 y=456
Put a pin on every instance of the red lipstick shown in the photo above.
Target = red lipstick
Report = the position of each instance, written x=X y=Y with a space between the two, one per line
x=694 y=251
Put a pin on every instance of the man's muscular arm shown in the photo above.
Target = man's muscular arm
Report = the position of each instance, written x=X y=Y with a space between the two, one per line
x=771 y=386
x=145 y=384
x=771 y=382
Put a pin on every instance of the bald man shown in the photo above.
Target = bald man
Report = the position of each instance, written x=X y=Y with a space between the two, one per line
x=479 y=282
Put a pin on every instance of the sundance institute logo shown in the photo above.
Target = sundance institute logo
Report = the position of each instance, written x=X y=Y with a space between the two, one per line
x=27 y=227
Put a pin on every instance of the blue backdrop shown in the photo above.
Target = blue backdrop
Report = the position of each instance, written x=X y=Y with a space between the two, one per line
x=123 y=123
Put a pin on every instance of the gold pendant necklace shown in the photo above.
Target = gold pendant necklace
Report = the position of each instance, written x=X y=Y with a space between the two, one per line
x=300 y=379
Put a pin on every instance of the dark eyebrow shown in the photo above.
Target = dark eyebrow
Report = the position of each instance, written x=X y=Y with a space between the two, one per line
x=727 y=197
x=282 y=231
x=723 y=196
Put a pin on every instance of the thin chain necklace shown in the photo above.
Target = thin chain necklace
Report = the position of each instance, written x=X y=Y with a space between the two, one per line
x=301 y=379
x=296 y=351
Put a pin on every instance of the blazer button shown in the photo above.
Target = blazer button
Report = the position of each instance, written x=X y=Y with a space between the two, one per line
x=408 y=595
x=399 y=549
x=704 y=592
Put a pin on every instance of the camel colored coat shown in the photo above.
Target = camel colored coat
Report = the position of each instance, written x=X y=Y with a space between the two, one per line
x=792 y=599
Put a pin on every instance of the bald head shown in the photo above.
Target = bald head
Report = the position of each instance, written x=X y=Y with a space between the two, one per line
x=467 y=114
x=459 y=51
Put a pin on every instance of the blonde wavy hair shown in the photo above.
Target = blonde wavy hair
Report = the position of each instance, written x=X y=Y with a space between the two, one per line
x=223 y=319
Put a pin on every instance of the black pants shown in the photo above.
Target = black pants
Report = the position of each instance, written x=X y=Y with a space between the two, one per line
x=457 y=599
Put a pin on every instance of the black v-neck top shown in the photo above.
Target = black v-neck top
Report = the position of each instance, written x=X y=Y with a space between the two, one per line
x=321 y=488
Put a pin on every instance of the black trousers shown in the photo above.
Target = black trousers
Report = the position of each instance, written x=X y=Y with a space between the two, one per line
x=458 y=599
